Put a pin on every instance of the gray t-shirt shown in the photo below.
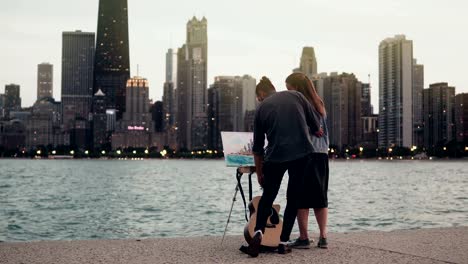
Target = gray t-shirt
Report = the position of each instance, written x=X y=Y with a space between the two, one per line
x=287 y=120
x=321 y=144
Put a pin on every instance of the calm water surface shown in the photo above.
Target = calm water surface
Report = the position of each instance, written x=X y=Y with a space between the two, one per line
x=94 y=199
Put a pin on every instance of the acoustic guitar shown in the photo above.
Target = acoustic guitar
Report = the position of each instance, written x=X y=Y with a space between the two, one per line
x=271 y=237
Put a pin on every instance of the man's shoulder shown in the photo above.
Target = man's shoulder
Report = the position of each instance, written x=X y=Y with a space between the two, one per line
x=283 y=94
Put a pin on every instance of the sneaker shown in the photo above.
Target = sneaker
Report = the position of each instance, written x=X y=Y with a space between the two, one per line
x=254 y=246
x=322 y=243
x=300 y=243
x=284 y=249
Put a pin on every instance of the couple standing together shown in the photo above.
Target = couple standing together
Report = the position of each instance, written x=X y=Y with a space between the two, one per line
x=294 y=124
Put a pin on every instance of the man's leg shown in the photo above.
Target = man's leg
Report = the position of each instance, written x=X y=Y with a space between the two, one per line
x=273 y=174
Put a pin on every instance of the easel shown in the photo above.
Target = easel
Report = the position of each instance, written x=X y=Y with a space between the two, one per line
x=239 y=172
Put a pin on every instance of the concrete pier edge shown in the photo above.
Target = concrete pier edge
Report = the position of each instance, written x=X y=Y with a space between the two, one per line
x=438 y=245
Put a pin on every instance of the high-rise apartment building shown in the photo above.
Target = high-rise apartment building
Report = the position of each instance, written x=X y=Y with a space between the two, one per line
x=396 y=92
x=77 y=76
x=461 y=117
x=342 y=96
x=112 y=61
x=438 y=107
x=45 y=78
x=192 y=62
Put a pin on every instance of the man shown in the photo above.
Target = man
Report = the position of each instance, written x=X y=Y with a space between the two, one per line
x=287 y=119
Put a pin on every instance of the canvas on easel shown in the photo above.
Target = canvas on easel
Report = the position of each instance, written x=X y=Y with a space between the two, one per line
x=238 y=149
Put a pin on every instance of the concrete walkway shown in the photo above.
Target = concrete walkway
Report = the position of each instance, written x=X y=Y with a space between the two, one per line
x=446 y=245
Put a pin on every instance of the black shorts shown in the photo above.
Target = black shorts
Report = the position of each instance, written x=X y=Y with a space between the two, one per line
x=315 y=187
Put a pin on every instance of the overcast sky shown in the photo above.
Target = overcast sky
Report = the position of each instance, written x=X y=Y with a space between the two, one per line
x=256 y=37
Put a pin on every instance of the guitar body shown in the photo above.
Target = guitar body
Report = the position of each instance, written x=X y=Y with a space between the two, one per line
x=271 y=237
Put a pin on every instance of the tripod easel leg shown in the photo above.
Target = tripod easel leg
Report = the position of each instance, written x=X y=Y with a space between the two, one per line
x=230 y=212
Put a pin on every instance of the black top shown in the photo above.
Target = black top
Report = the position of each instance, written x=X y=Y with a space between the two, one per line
x=288 y=120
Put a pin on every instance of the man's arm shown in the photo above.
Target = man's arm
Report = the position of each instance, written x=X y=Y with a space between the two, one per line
x=259 y=168
x=258 y=144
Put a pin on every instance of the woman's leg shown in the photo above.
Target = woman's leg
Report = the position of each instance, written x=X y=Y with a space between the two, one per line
x=321 y=215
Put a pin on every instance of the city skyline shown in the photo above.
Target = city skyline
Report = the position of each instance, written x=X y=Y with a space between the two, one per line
x=234 y=46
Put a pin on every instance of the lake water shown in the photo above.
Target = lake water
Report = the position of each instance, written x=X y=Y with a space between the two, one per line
x=107 y=199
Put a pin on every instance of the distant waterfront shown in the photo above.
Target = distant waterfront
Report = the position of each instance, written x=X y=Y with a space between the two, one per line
x=91 y=199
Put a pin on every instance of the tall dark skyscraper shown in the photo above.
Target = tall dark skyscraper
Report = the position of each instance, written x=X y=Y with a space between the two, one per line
x=461 y=117
x=12 y=93
x=192 y=62
x=12 y=100
x=439 y=119
x=45 y=74
x=418 y=87
x=77 y=76
x=112 y=61
x=225 y=108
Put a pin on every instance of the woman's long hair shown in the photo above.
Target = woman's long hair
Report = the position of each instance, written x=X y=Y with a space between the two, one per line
x=301 y=83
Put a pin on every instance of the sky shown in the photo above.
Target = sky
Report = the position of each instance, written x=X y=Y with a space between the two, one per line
x=255 y=37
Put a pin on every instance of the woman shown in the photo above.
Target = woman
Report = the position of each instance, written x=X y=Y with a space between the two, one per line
x=316 y=179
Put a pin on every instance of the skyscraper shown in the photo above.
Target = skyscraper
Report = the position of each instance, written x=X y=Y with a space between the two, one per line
x=461 y=117
x=169 y=108
x=2 y=106
x=168 y=105
x=249 y=99
x=136 y=127
x=345 y=110
x=438 y=107
x=171 y=66
x=77 y=76
x=137 y=115
x=192 y=61
x=366 y=106
x=396 y=92
x=225 y=108
x=12 y=100
x=157 y=115
x=112 y=61
x=99 y=120
x=45 y=73
x=418 y=87
x=308 y=64
x=341 y=94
